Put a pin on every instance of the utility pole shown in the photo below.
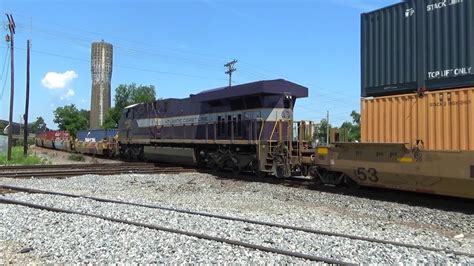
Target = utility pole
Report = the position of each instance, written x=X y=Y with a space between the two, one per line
x=25 y=116
x=11 y=27
x=327 y=129
x=230 y=69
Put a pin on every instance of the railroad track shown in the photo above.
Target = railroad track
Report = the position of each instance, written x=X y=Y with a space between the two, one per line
x=67 y=170
x=156 y=227
x=221 y=217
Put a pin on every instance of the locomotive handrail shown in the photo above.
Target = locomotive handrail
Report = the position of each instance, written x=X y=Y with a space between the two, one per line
x=273 y=130
x=261 y=129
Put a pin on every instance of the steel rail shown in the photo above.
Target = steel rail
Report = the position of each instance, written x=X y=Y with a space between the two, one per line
x=97 y=170
x=90 y=169
x=181 y=232
x=73 y=166
x=230 y=218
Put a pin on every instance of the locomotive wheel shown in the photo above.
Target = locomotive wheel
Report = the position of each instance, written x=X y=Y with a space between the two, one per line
x=141 y=154
x=304 y=170
x=255 y=168
x=236 y=170
x=261 y=174
x=128 y=153
x=215 y=167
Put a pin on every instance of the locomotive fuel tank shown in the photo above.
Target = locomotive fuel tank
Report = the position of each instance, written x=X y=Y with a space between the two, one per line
x=175 y=155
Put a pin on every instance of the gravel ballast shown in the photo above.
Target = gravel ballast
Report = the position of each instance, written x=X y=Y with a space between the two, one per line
x=201 y=192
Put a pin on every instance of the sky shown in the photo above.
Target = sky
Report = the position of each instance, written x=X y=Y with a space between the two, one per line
x=181 y=46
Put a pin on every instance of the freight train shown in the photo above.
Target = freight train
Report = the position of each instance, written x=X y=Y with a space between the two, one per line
x=417 y=124
x=250 y=128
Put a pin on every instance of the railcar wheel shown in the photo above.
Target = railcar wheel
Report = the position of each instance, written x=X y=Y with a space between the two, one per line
x=110 y=153
x=351 y=183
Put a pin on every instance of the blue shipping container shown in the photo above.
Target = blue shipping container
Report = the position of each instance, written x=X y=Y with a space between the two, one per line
x=94 y=135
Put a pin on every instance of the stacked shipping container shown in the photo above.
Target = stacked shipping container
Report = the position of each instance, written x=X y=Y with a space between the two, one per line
x=441 y=120
x=94 y=135
x=417 y=44
x=417 y=59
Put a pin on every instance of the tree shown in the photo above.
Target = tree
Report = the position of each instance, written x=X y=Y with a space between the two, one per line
x=355 y=117
x=352 y=129
x=142 y=94
x=126 y=95
x=320 y=135
x=38 y=126
x=71 y=119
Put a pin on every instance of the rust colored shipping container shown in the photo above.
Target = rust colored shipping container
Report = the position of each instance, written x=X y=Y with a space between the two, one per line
x=53 y=135
x=438 y=120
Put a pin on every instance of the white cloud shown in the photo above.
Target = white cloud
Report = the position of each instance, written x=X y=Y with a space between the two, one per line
x=68 y=94
x=58 y=81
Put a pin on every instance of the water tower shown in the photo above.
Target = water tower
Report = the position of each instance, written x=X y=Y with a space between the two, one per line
x=101 y=67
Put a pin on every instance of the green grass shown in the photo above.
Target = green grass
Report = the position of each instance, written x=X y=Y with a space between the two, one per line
x=19 y=159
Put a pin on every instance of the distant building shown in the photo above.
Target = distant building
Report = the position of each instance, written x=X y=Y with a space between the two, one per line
x=16 y=127
x=101 y=68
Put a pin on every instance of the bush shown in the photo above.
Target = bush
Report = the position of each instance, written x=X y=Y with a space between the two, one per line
x=19 y=142
x=76 y=157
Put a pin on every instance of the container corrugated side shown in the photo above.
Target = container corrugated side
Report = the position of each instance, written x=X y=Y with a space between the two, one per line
x=417 y=44
x=440 y=120
x=388 y=51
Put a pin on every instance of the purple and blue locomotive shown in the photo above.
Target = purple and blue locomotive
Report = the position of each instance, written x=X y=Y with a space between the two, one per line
x=244 y=127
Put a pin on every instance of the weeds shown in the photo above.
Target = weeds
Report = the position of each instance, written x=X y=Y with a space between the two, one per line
x=19 y=159
x=76 y=157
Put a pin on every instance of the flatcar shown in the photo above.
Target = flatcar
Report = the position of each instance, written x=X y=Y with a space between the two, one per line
x=396 y=166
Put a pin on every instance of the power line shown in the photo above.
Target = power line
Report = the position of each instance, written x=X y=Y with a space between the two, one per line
x=204 y=59
x=120 y=66
x=131 y=52
x=195 y=59
x=130 y=41
x=5 y=62
x=5 y=80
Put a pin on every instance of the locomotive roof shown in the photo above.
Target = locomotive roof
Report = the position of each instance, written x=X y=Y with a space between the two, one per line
x=277 y=86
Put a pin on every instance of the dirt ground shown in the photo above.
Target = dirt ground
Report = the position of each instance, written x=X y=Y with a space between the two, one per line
x=61 y=157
